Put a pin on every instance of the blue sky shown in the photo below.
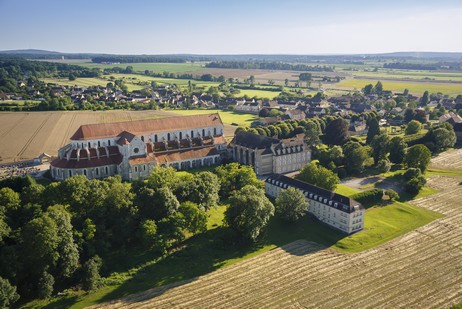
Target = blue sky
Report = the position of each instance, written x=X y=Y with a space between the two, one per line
x=232 y=26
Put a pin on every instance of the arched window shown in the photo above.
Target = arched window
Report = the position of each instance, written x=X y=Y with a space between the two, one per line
x=192 y=134
x=181 y=135
x=107 y=170
x=142 y=138
x=214 y=131
x=85 y=172
x=155 y=138
x=70 y=173
x=89 y=145
x=99 y=144
x=168 y=136
x=109 y=142
x=203 y=132
x=97 y=171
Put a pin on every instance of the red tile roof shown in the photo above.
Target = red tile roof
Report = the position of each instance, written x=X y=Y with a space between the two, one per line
x=186 y=155
x=104 y=130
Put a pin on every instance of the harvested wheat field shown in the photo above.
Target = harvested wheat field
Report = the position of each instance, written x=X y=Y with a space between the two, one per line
x=451 y=159
x=25 y=135
x=421 y=269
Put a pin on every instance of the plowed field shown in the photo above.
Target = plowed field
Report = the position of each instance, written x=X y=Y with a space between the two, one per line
x=421 y=269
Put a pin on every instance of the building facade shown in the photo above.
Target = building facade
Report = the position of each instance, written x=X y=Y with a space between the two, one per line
x=131 y=149
x=335 y=210
x=270 y=155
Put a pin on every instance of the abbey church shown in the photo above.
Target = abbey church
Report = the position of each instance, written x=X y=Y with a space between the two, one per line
x=131 y=149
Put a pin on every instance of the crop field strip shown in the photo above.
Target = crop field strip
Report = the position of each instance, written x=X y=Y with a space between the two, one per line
x=418 y=269
x=451 y=159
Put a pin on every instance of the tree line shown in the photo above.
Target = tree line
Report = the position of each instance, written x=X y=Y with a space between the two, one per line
x=246 y=65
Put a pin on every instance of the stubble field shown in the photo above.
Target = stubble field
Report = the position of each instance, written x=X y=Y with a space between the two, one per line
x=418 y=270
x=25 y=135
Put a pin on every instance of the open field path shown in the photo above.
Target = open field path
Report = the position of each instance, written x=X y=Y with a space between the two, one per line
x=421 y=269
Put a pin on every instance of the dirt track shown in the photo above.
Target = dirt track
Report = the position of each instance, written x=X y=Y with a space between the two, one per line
x=418 y=270
x=25 y=135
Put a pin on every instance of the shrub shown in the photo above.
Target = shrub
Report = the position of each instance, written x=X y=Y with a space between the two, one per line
x=384 y=166
x=369 y=198
x=392 y=194
x=414 y=185
x=91 y=279
x=412 y=173
x=8 y=295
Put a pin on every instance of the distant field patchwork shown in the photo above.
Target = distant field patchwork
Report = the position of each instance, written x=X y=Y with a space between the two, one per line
x=399 y=86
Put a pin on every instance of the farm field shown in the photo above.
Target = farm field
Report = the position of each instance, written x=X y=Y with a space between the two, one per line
x=399 y=86
x=420 y=269
x=25 y=135
x=448 y=160
x=88 y=82
x=412 y=75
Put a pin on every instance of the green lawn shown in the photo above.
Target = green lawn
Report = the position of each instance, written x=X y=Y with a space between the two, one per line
x=414 y=87
x=345 y=190
x=228 y=117
x=385 y=223
x=438 y=172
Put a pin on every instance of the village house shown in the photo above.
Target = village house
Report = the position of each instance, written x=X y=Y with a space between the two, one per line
x=250 y=107
x=270 y=155
x=131 y=149
x=336 y=210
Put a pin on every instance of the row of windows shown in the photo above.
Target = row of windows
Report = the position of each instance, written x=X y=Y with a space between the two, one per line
x=169 y=136
x=98 y=170
x=99 y=144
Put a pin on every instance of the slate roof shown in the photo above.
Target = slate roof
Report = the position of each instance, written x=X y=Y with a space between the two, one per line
x=339 y=201
x=251 y=140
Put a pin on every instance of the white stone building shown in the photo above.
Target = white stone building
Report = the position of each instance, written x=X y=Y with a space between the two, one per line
x=270 y=155
x=335 y=210
x=131 y=149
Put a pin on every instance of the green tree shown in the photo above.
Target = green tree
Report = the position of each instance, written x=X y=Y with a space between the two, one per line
x=378 y=88
x=291 y=204
x=45 y=285
x=413 y=127
x=373 y=130
x=249 y=212
x=355 y=156
x=39 y=243
x=91 y=279
x=149 y=232
x=195 y=219
x=162 y=177
x=337 y=132
x=418 y=156
x=424 y=100
x=68 y=255
x=443 y=138
x=234 y=176
x=368 y=89
x=397 y=147
x=319 y=176
x=9 y=201
x=379 y=146
x=312 y=134
x=8 y=295
x=384 y=166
